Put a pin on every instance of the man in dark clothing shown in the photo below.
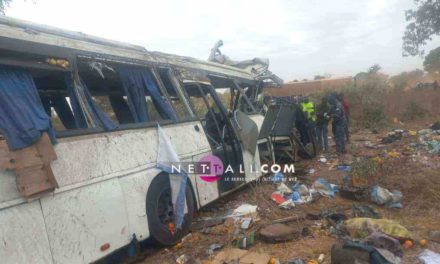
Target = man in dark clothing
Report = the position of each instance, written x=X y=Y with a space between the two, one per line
x=301 y=125
x=346 y=108
x=339 y=123
x=322 y=120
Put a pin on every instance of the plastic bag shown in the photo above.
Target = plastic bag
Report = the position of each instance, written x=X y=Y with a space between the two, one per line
x=324 y=188
x=383 y=196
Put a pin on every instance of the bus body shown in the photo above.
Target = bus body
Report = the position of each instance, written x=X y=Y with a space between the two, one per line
x=107 y=179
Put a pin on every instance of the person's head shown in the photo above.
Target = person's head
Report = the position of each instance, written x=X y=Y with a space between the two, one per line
x=306 y=99
x=341 y=95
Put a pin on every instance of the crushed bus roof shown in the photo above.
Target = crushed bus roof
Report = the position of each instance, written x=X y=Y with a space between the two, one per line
x=20 y=30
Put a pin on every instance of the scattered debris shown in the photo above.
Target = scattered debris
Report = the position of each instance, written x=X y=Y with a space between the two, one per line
x=383 y=196
x=296 y=261
x=436 y=126
x=213 y=247
x=246 y=222
x=429 y=257
x=343 y=168
x=408 y=244
x=434 y=236
x=362 y=226
x=278 y=197
x=284 y=189
x=207 y=222
x=279 y=233
x=289 y=219
x=182 y=259
x=383 y=241
x=244 y=209
x=423 y=242
x=347 y=255
x=363 y=210
x=393 y=136
x=244 y=241
x=324 y=188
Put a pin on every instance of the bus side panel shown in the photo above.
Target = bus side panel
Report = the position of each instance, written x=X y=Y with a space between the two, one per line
x=23 y=237
x=8 y=186
x=89 y=157
x=135 y=189
x=207 y=191
x=82 y=221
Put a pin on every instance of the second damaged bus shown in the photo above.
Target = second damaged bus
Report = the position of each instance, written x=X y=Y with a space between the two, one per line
x=79 y=141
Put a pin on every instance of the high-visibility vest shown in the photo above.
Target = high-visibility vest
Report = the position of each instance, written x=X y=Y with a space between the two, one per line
x=309 y=109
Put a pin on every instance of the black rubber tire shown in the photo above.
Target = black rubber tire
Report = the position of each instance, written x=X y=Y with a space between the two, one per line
x=159 y=231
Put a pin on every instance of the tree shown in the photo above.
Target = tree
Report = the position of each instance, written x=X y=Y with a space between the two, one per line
x=374 y=69
x=424 y=24
x=318 y=77
x=432 y=61
x=3 y=5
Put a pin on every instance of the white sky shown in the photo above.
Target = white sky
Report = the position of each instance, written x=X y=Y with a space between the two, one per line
x=301 y=38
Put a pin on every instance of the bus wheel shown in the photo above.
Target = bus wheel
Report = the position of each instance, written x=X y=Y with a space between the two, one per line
x=160 y=212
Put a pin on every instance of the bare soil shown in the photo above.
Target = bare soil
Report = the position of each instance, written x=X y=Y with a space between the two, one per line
x=414 y=172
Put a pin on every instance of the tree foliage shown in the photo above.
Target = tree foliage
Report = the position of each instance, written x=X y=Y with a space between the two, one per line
x=424 y=23
x=374 y=69
x=318 y=77
x=432 y=61
x=3 y=5
x=405 y=79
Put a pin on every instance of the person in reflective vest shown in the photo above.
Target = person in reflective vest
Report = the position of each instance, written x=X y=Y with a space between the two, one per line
x=309 y=109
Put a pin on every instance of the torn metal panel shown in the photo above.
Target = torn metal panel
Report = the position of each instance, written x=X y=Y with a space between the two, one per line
x=258 y=67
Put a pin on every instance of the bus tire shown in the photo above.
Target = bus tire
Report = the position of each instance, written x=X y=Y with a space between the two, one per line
x=158 y=210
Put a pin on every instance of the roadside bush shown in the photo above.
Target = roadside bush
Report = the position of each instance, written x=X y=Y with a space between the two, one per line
x=367 y=100
x=413 y=111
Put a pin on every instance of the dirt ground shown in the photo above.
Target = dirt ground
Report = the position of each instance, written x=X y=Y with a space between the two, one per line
x=414 y=172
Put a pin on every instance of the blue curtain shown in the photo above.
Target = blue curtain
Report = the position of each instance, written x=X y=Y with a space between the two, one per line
x=79 y=95
x=137 y=81
x=22 y=115
x=98 y=114
x=131 y=78
x=164 y=108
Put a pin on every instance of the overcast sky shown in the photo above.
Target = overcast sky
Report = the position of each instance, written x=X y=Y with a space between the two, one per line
x=301 y=38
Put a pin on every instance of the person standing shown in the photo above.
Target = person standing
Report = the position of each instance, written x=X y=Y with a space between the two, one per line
x=339 y=123
x=346 y=108
x=322 y=120
x=308 y=108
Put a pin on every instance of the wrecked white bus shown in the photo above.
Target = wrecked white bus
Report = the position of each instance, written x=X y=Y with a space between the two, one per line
x=79 y=122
